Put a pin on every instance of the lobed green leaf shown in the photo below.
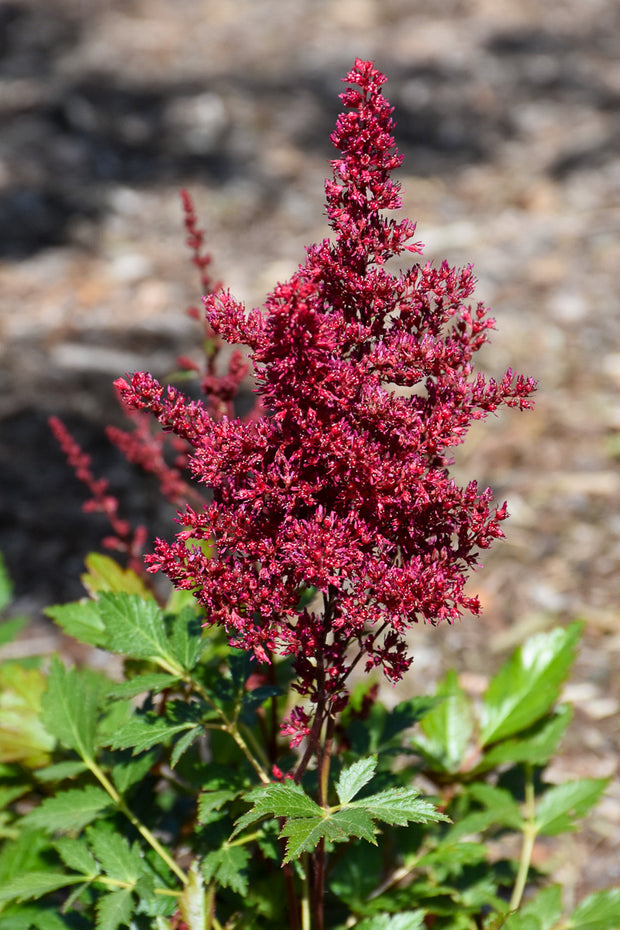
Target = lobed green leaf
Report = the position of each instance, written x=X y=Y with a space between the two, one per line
x=183 y=744
x=304 y=833
x=228 y=866
x=76 y=855
x=61 y=770
x=117 y=858
x=281 y=799
x=142 y=733
x=68 y=810
x=399 y=806
x=114 y=909
x=80 y=619
x=135 y=627
x=151 y=682
x=31 y=885
x=70 y=707
x=186 y=640
x=210 y=801
x=32 y=917
x=28 y=852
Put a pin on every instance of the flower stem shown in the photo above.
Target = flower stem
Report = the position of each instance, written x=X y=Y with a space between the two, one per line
x=318 y=890
x=529 y=838
x=231 y=727
x=305 y=898
x=140 y=827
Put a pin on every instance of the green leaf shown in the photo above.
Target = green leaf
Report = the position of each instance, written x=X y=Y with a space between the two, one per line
x=61 y=770
x=81 y=620
x=305 y=822
x=353 y=779
x=210 y=801
x=186 y=639
x=68 y=810
x=151 y=682
x=23 y=738
x=135 y=627
x=528 y=685
x=348 y=822
x=70 y=707
x=117 y=858
x=281 y=799
x=599 y=911
x=76 y=855
x=446 y=730
x=114 y=910
x=562 y=804
x=399 y=806
x=228 y=867
x=106 y=575
x=35 y=884
x=32 y=917
x=183 y=743
x=535 y=745
x=304 y=833
x=27 y=853
x=144 y=732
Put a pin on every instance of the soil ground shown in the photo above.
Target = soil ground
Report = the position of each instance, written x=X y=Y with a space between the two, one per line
x=508 y=114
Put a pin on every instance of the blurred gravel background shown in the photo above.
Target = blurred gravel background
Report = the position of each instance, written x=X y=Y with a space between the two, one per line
x=508 y=114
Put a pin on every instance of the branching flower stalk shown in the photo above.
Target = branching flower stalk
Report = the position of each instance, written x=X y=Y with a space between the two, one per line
x=342 y=484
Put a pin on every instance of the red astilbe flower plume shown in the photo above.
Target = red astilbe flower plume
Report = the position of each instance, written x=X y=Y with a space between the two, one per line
x=124 y=538
x=367 y=381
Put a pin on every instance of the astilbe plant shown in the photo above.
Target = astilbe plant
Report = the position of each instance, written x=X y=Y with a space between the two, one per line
x=342 y=487
x=197 y=793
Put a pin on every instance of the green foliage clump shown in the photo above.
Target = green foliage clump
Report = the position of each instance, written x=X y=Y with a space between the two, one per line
x=155 y=798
